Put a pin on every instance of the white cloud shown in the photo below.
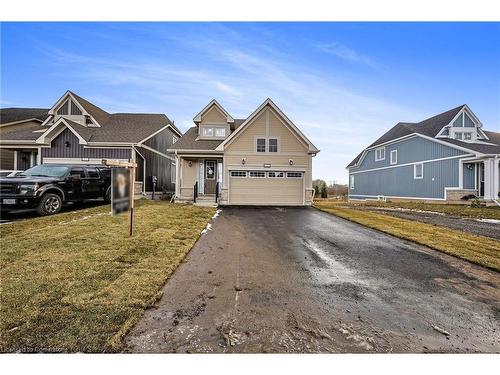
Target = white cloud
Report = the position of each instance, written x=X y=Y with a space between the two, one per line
x=341 y=51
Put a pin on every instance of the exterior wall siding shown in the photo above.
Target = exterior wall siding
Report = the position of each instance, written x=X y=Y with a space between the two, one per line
x=411 y=150
x=58 y=149
x=399 y=181
x=6 y=159
x=469 y=176
x=158 y=165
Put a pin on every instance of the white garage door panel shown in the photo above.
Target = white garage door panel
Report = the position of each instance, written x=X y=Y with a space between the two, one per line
x=266 y=191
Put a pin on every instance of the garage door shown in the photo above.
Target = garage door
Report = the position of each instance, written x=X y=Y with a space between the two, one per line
x=266 y=188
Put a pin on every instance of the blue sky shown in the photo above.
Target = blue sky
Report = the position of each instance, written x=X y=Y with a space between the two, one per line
x=343 y=84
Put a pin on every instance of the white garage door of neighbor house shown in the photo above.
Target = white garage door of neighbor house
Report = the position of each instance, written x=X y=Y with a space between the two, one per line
x=266 y=188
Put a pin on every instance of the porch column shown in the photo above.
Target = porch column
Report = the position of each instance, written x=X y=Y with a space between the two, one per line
x=177 y=175
x=39 y=156
x=15 y=159
x=490 y=179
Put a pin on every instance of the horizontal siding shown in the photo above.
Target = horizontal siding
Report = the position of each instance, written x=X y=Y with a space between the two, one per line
x=399 y=181
x=410 y=150
x=58 y=149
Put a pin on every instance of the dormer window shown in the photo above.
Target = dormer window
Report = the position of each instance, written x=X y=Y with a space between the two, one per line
x=458 y=135
x=213 y=131
x=208 y=132
x=467 y=136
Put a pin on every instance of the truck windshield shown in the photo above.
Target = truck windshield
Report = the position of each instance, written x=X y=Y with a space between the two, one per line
x=46 y=171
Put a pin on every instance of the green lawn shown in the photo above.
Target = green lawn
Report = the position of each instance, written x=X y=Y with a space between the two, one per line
x=77 y=282
x=477 y=249
x=491 y=212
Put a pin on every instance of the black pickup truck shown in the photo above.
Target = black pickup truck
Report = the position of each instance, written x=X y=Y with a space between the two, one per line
x=47 y=187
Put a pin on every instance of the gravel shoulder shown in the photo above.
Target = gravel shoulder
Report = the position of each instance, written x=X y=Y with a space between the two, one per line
x=300 y=280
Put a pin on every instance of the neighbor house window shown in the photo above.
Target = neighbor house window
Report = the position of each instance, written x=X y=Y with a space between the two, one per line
x=261 y=145
x=418 y=171
x=294 y=174
x=394 y=156
x=257 y=174
x=273 y=145
x=238 y=173
x=351 y=182
x=220 y=132
x=380 y=154
x=467 y=136
x=458 y=135
x=276 y=174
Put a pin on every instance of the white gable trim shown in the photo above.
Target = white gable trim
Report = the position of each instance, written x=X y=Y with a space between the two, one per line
x=43 y=137
x=365 y=151
x=469 y=113
x=215 y=103
x=157 y=132
x=287 y=122
x=62 y=99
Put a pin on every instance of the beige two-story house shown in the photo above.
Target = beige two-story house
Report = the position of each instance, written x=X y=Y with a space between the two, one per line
x=261 y=160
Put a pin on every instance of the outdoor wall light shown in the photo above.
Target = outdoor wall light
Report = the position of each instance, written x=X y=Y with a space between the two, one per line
x=290 y=161
x=243 y=161
x=67 y=143
x=470 y=167
x=190 y=163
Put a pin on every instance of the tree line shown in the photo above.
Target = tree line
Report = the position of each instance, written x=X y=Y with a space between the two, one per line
x=324 y=190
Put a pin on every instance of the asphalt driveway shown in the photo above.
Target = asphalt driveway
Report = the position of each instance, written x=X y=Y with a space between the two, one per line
x=300 y=280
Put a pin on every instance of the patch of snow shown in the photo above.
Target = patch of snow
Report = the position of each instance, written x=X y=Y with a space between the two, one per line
x=207 y=228
x=491 y=221
x=216 y=214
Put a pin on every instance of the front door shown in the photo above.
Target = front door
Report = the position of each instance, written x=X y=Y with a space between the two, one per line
x=210 y=176
x=480 y=178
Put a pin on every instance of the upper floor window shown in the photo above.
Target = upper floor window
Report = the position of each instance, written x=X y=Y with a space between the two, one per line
x=351 y=182
x=218 y=132
x=380 y=154
x=468 y=136
x=394 y=156
x=458 y=135
x=261 y=145
x=273 y=145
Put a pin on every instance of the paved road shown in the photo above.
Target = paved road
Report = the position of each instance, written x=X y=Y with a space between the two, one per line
x=300 y=280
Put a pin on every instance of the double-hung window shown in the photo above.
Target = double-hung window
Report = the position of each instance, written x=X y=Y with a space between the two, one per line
x=468 y=136
x=220 y=132
x=208 y=132
x=459 y=135
x=351 y=182
x=261 y=145
x=394 y=157
x=380 y=154
x=418 y=171
x=273 y=145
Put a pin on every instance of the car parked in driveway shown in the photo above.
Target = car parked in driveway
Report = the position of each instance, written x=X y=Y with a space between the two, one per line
x=48 y=187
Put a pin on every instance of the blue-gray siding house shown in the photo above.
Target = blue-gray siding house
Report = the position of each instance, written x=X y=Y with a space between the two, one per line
x=446 y=157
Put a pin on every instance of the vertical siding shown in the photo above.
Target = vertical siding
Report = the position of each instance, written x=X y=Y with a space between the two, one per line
x=459 y=121
x=157 y=165
x=399 y=182
x=58 y=149
x=409 y=151
x=468 y=123
x=6 y=159
x=469 y=174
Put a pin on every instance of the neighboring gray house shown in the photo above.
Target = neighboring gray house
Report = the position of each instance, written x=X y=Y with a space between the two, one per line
x=443 y=158
x=75 y=131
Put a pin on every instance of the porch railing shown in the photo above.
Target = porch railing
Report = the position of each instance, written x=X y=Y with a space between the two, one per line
x=195 y=192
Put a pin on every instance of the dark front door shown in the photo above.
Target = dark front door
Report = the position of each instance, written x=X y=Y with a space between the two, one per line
x=480 y=177
x=210 y=176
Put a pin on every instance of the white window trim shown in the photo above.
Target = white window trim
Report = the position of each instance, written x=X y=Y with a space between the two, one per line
x=265 y=145
x=250 y=174
x=277 y=145
x=351 y=182
x=283 y=172
x=415 y=177
x=231 y=174
x=394 y=160
x=376 y=153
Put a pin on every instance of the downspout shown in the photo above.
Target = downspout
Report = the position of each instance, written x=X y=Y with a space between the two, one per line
x=143 y=171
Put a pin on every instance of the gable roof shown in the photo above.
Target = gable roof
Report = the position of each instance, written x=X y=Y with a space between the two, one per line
x=212 y=103
x=431 y=128
x=288 y=122
x=127 y=128
x=15 y=115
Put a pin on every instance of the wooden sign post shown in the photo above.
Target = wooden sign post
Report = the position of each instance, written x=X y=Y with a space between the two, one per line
x=132 y=165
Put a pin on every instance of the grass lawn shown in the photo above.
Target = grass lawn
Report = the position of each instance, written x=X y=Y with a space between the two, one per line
x=477 y=249
x=77 y=282
x=491 y=212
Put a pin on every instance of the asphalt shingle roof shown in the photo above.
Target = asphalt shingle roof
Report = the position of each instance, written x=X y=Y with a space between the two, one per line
x=189 y=140
x=8 y=115
x=431 y=127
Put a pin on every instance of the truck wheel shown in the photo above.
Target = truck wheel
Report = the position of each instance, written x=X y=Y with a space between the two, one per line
x=107 y=196
x=50 y=204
